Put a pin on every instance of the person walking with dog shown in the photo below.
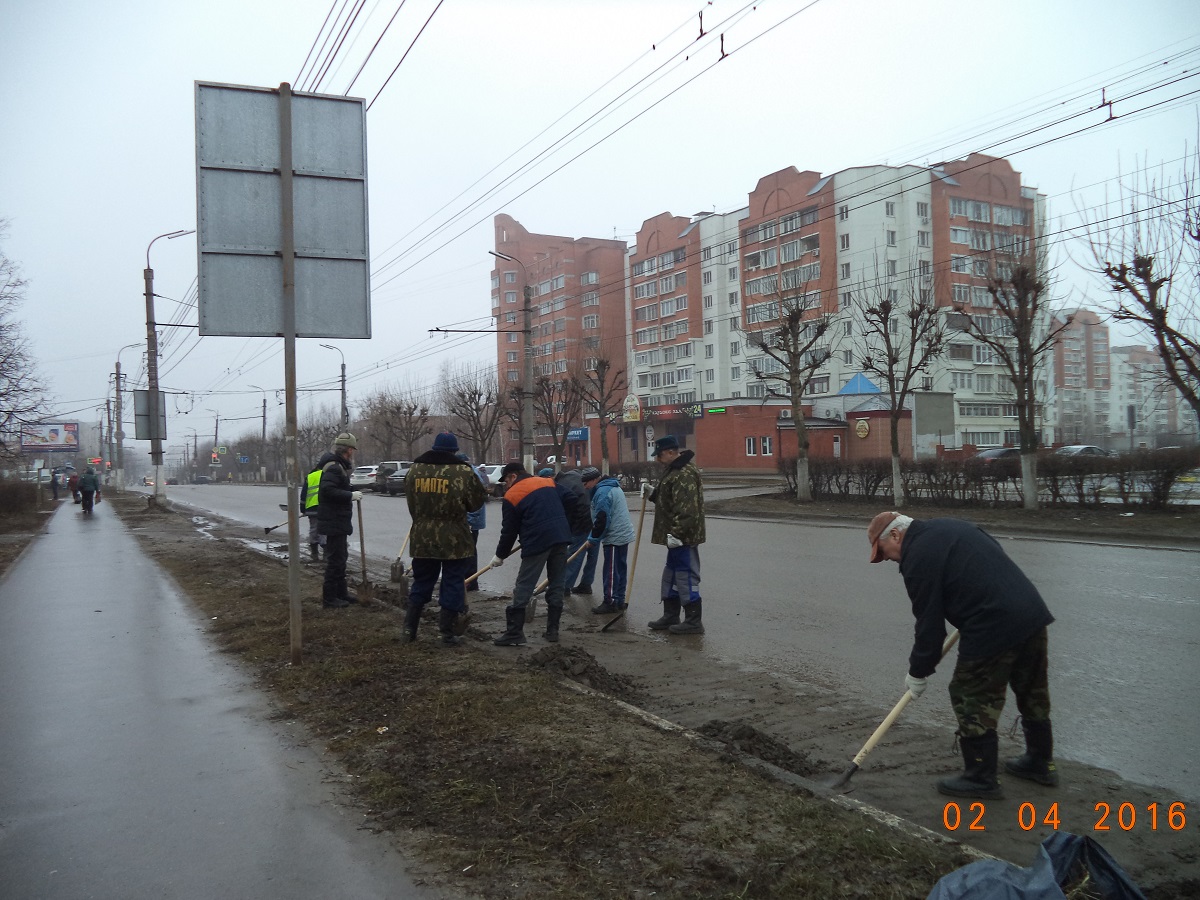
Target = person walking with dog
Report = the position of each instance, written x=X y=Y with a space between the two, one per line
x=678 y=500
x=335 y=518
x=441 y=490
x=956 y=572
x=612 y=529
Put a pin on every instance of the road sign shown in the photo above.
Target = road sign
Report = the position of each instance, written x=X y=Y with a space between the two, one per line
x=243 y=459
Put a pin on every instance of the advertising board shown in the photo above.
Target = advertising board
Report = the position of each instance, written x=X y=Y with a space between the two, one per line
x=50 y=437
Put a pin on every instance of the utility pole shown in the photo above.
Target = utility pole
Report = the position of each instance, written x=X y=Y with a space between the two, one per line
x=345 y=407
x=527 y=446
x=262 y=448
x=108 y=458
x=120 y=473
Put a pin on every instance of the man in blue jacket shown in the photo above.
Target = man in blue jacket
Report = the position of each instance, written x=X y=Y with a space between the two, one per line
x=534 y=510
x=613 y=529
x=956 y=572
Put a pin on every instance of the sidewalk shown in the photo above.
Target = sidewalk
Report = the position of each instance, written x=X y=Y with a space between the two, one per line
x=136 y=762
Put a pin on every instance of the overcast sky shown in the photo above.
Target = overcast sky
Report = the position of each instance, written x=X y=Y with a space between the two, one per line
x=97 y=136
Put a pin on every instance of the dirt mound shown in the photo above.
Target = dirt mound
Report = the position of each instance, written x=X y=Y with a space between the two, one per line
x=749 y=739
x=579 y=665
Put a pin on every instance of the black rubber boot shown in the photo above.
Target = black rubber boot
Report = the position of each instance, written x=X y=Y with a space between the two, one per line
x=978 y=779
x=412 y=621
x=670 y=615
x=515 y=635
x=691 y=619
x=315 y=552
x=446 y=619
x=346 y=595
x=1037 y=763
x=607 y=608
x=553 y=614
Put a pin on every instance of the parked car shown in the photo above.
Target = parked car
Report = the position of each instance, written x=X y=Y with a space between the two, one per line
x=363 y=477
x=996 y=453
x=1082 y=450
x=385 y=470
x=395 y=481
x=202 y=479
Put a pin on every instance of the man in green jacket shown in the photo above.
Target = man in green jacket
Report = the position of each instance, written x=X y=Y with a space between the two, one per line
x=441 y=489
x=679 y=524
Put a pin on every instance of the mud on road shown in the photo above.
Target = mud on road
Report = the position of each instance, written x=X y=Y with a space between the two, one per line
x=592 y=798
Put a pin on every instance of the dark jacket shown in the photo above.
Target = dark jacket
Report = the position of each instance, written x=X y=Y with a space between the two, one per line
x=679 y=503
x=956 y=572
x=335 y=509
x=534 y=510
x=441 y=490
x=580 y=517
x=90 y=482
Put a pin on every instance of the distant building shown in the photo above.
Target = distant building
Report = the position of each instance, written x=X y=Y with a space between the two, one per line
x=1146 y=410
x=1082 y=380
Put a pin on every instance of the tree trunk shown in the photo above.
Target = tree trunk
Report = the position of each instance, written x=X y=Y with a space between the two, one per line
x=897 y=482
x=603 y=448
x=803 y=486
x=1029 y=483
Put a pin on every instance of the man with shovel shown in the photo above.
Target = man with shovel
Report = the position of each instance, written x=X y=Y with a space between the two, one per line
x=679 y=524
x=335 y=518
x=956 y=572
x=441 y=490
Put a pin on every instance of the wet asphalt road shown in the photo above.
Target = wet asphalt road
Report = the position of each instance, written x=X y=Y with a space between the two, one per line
x=136 y=762
x=802 y=601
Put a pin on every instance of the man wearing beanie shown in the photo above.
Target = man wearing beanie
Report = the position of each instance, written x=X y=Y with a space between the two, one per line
x=335 y=518
x=583 y=567
x=956 y=572
x=441 y=491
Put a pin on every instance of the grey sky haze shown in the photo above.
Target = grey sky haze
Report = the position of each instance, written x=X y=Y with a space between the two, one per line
x=97 y=145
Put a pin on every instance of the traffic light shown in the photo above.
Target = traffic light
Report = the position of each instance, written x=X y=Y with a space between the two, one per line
x=216 y=459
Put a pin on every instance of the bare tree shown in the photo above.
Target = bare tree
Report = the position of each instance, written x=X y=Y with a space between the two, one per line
x=795 y=341
x=556 y=404
x=22 y=392
x=902 y=334
x=1021 y=335
x=315 y=433
x=471 y=394
x=601 y=388
x=1149 y=255
x=396 y=416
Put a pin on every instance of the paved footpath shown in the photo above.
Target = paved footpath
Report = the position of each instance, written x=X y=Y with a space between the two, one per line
x=135 y=761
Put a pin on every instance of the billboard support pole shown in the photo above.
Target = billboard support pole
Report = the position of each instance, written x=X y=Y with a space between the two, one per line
x=288 y=252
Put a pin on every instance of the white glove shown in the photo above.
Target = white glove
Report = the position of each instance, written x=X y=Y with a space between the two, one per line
x=356 y=496
x=497 y=562
x=647 y=489
x=916 y=686
x=674 y=542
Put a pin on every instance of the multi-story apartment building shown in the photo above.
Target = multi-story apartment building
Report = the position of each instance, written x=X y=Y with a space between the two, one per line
x=577 y=295
x=1081 y=379
x=1146 y=411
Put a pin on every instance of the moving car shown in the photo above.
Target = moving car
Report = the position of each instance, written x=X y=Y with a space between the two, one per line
x=998 y=453
x=1082 y=450
x=363 y=477
x=395 y=481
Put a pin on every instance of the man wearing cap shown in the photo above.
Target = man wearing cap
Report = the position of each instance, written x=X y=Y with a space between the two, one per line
x=679 y=524
x=536 y=510
x=579 y=519
x=613 y=529
x=581 y=571
x=441 y=491
x=335 y=518
x=956 y=572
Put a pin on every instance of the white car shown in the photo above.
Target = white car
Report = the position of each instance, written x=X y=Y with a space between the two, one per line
x=363 y=477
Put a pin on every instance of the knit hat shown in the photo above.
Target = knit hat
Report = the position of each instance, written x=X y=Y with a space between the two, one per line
x=345 y=439
x=591 y=473
x=547 y=472
x=446 y=441
x=666 y=442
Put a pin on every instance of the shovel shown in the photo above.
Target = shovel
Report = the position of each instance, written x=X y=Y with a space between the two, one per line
x=366 y=590
x=398 y=565
x=875 y=738
x=488 y=567
x=532 y=608
x=273 y=527
x=637 y=543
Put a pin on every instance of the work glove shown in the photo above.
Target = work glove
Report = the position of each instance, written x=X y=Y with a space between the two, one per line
x=356 y=496
x=673 y=542
x=916 y=686
x=647 y=489
x=497 y=562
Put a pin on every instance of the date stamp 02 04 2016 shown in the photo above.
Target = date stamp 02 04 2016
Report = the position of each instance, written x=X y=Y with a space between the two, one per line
x=1108 y=816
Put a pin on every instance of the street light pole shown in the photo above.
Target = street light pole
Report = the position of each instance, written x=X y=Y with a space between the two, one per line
x=345 y=408
x=527 y=448
x=262 y=451
x=121 y=426
x=152 y=399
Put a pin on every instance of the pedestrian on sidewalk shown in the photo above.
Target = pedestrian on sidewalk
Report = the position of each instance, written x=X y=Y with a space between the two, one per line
x=335 y=518
x=534 y=510
x=54 y=485
x=73 y=484
x=956 y=572
x=476 y=520
x=613 y=529
x=441 y=491
x=89 y=488
x=679 y=524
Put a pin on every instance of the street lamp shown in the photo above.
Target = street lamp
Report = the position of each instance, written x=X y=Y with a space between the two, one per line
x=345 y=408
x=120 y=436
x=527 y=380
x=156 y=436
x=262 y=450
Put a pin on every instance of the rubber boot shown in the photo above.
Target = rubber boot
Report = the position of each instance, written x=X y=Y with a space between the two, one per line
x=346 y=595
x=608 y=608
x=670 y=615
x=446 y=619
x=691 y=619
x=978 y=779
x=315 y=552
x=515 y=635
x=412 y=621
x=1037 y=763
x=553 y=614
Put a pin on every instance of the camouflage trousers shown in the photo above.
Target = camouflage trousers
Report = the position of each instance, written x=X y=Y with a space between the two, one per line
x=978 y=687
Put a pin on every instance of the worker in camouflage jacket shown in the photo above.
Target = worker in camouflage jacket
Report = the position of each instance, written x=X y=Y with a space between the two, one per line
x=679 y=524
x=441 y=490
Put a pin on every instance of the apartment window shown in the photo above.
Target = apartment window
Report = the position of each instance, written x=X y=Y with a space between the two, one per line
x=962 y=293
x=642 y=291
x=979 y=212
x=844 y=241
x=764 y=445
x=591 y=298
x=512 y=337
x=592 y=321
x=735 y=373
x=891 y=239
x=589 y=278
x=668 y=354
x=735 y=347
x=845 y=273
x=510 y=296
x=981 y=438
x=560 y=281
x=889 y=209
x=708 y=326
x=684 y=374
x=848 y=357
x=710 y=374
x=706 y=277
x=985 y=355
x=512 y=374
x=818 y=385
x=683 y=351
x=960 y=235
x=923 y=239
x=985 y=384
x=733 y=273
x=923 y=210
x=667 y=307
x=847 y=328
x=893 y=326
x=981 y=268
x=925 y=267
x=960 y=264
x=960 y=351
x=735 y=322
x=708 y=301
x=958 y=206
x=843 y=213
x=510 y=318
x=512 y=356
x=733 y=298
x=927 y=383
x=980 y=297
x=891 y=267
x=751 y=446
x=706 y=253
x=708 y=351
x=980 y=240
x=893 y=296
x=962 y=380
